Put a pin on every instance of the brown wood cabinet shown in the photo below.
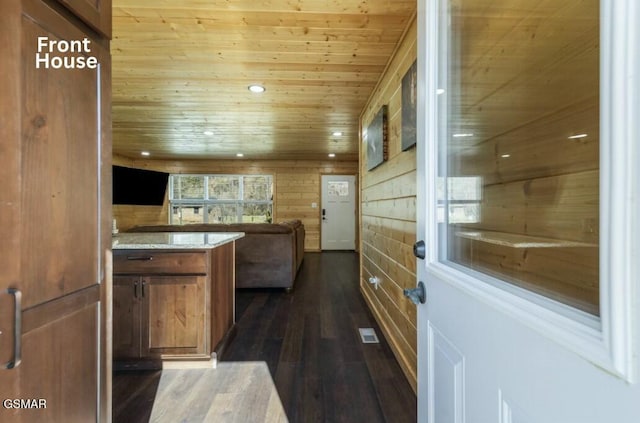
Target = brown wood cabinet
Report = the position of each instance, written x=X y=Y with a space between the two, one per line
x=158 y=315
x=55 y=213
x=171 y=305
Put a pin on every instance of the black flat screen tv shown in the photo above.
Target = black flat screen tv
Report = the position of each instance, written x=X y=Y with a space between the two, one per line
x=139 y=186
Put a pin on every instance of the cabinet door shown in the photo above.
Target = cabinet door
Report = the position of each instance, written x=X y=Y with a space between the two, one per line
x=174 y=315
x=126 y=316
x=60 y=160
x=54 y=213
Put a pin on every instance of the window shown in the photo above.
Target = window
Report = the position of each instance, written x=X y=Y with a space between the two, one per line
x=220 y=199
x=519 y=152
x=464 y=195
x=338 y=188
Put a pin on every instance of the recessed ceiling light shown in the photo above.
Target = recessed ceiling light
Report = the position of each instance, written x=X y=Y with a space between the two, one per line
x=337 y=134
x=208 y=133
x=239 y=155
x=255 y=88
x=462 y=135
x=332 y=155
x=504 y=156
x=575 y=137
x=145 y=153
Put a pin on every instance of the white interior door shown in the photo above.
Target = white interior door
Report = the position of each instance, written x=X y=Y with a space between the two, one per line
x=338 y=213
x=528 y=191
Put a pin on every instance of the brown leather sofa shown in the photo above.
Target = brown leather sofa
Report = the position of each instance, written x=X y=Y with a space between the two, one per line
x=268 y=256
x=298 y=227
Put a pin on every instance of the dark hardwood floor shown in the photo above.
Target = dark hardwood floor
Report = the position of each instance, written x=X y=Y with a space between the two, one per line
x=310 y=342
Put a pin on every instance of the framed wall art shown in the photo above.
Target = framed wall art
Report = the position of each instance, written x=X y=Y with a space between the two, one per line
x=409 y=104
x=377 y=139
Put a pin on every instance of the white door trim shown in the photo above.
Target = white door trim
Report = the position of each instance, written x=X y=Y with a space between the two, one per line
x=620 y=180
x=606 y=342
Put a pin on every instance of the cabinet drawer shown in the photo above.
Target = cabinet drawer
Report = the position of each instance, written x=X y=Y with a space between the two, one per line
x=154 y=262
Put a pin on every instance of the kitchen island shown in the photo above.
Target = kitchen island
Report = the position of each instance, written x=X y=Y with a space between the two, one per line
x=173 y=298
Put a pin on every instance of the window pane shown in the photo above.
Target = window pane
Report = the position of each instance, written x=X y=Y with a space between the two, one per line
x=520 y=145
x=185 y=214
x=465 y=194
x=256 y=213
x=338 y=188
x=223 y=213
x=224 y=187
x=257 y=188
x=188 y=187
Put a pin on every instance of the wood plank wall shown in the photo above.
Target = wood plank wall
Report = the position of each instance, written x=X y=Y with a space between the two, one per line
x=388 y=216
x=297 y=186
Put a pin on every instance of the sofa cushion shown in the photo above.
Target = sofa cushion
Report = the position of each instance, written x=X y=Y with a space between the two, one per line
x=294 y=223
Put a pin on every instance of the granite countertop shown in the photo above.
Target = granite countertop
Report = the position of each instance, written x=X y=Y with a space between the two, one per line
x=173 y=240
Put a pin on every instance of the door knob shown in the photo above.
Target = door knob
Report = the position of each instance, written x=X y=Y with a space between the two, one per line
x=417 y=295
x=419 y=249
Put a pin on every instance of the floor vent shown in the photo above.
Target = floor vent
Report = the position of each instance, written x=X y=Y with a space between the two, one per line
x=368 y=336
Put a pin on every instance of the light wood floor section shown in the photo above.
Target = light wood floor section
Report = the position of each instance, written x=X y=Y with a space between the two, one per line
x=218 y=395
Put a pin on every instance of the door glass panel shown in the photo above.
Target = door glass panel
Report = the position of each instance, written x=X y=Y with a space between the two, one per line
x=519 y=145
x=338 y=188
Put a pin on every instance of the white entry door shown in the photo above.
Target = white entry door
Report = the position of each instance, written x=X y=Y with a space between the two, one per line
x=338 y=213
x=529 y=206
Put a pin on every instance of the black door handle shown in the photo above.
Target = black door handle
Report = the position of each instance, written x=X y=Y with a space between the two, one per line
x=17 y=329
x=417 y=295
x=419 y=249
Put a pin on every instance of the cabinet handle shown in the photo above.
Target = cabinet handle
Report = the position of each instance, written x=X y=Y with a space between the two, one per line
x=135 y=289
x=17 y=330
x=144 y=258
x=144 y=283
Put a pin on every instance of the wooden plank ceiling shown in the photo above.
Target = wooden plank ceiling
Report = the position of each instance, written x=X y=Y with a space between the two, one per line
x=181 y=71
